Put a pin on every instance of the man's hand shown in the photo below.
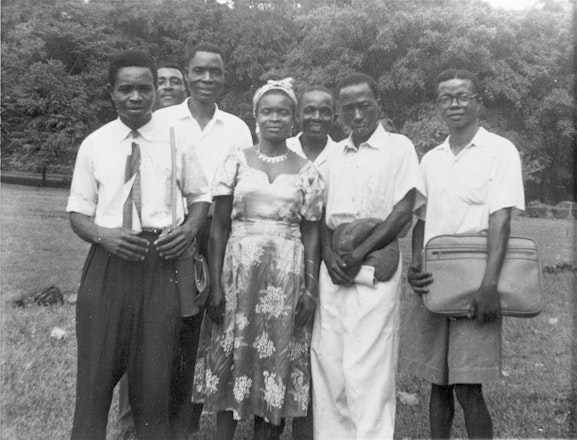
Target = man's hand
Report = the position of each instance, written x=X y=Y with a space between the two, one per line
x=216 y=305
x=172 y=243
x=419 y=280
x=305 y=310
x=123 y=243
x=336 y=267
x=486 y=306
x=353 y=262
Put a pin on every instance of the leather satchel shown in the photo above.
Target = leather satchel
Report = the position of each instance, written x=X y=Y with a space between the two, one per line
x=347 y=236
x=457 y=264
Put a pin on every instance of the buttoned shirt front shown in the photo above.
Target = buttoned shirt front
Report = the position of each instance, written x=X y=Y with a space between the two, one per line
x=99 y=189
x=370 y=180
x=222 y=135
x=321 y=161
x=464 y=189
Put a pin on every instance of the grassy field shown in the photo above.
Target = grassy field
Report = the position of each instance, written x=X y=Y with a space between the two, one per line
x=534 y=399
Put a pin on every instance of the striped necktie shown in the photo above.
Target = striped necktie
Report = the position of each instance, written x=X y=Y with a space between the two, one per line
x=132 y=168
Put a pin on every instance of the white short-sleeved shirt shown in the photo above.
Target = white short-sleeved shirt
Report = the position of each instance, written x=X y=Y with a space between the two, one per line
x=98 y=184
x=321 y=161
x=463 y=190
x=222 y=135
x=371 y=180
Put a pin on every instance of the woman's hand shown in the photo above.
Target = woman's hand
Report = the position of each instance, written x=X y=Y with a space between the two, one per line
x=305 y=310
x=216 y=305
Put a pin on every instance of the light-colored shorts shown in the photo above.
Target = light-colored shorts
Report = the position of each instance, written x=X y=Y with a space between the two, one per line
x=450 y=351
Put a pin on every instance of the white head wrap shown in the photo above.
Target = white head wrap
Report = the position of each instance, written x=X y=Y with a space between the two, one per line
x=283 y=85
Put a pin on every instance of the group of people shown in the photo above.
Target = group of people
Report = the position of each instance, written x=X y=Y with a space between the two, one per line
x=302 y=319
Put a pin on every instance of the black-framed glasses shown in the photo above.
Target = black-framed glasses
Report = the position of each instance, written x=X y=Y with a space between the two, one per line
x=447 y=100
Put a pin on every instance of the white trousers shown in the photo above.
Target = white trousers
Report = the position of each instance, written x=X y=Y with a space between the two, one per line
x=354 y=355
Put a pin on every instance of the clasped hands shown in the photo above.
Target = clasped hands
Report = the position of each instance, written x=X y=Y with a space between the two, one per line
x=128 y=245
x=343 y=269
x=485 y=305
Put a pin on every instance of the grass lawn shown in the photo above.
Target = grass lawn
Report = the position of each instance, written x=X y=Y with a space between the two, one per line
x=534 y=399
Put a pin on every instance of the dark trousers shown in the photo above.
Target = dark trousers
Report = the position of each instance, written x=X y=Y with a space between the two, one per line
x=127 y=320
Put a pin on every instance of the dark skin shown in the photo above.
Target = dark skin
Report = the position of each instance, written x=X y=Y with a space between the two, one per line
x=343 y=270
x=275 y=113
x=485 y=305
x=133 y=97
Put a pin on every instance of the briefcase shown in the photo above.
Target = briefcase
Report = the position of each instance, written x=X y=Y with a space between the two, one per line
x=457 y=264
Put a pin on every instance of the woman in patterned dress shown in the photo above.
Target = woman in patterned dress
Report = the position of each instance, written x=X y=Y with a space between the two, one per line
x=264 y=254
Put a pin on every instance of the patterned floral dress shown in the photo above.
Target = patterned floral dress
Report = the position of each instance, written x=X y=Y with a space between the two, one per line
x=257 y=363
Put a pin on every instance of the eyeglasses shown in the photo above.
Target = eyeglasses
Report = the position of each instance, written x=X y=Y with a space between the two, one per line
x=447 y=100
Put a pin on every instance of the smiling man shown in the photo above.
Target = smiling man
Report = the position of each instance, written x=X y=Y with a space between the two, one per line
x=373 y=174
x=212 y=133
x=316 y=114
x=171 y=87
x=128 y=301
x=473 y=181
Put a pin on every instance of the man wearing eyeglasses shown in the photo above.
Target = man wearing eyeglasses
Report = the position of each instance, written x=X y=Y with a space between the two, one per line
x=473 y=181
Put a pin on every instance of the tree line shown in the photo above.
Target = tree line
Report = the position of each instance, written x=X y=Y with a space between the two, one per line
x=55 y=58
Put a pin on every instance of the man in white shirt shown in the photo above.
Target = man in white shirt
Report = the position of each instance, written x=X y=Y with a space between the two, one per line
x=128 y=304
x=212 y=134
x=316 y=114
x=171 y=86
x=373 y=174
x=472 y=182
x=171 y=90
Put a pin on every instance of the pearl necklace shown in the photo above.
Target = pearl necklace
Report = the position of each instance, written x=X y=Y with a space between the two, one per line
x=273 y=159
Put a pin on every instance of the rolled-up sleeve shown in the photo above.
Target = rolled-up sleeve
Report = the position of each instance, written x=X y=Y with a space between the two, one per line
x=408 y=176
x=84 y=187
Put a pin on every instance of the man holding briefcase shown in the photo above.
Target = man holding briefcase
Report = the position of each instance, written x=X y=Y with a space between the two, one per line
x=472 y=181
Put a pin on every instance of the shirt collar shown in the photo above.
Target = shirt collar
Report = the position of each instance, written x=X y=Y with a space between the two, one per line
x=183 y=111
x=479 y=140
x=294 y=143
x=123 y=131
x=376 y=141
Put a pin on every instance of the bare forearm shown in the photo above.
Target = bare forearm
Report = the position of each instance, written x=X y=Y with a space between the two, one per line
x=326 y=236
x=499 y=230
x=197 y=213
x=417 y=242
x=84 y=227
x=219 y=233
x=389 y=229
x=311 y=243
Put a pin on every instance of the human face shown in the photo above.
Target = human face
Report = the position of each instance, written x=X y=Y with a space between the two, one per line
x=316 y=114
x=274 y=116
x=133 y=95
x=205 y=77
x=456 y=115
x=171 y=89
x=360 y=110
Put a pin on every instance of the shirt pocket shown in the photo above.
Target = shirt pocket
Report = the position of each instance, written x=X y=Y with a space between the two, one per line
x=473 y=180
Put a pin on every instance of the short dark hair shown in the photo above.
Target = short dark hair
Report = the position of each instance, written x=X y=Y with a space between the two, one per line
x=314 y=89
x=169 y=64
x=354 y=79
x=203 y=47
x=130 y=58
x=449 y=74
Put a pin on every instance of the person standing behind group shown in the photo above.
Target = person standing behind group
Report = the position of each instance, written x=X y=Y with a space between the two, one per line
x=128 y=300
x=373 y=174
x=472 y=181
x=212 y=133
x=315 y=116
x=264 y=255
x=171 y=86
x=170 y=90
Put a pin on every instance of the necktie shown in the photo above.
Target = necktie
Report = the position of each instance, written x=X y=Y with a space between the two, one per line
x=132 y=168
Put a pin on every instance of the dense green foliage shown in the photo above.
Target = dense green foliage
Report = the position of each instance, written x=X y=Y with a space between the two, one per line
x=55 y=52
